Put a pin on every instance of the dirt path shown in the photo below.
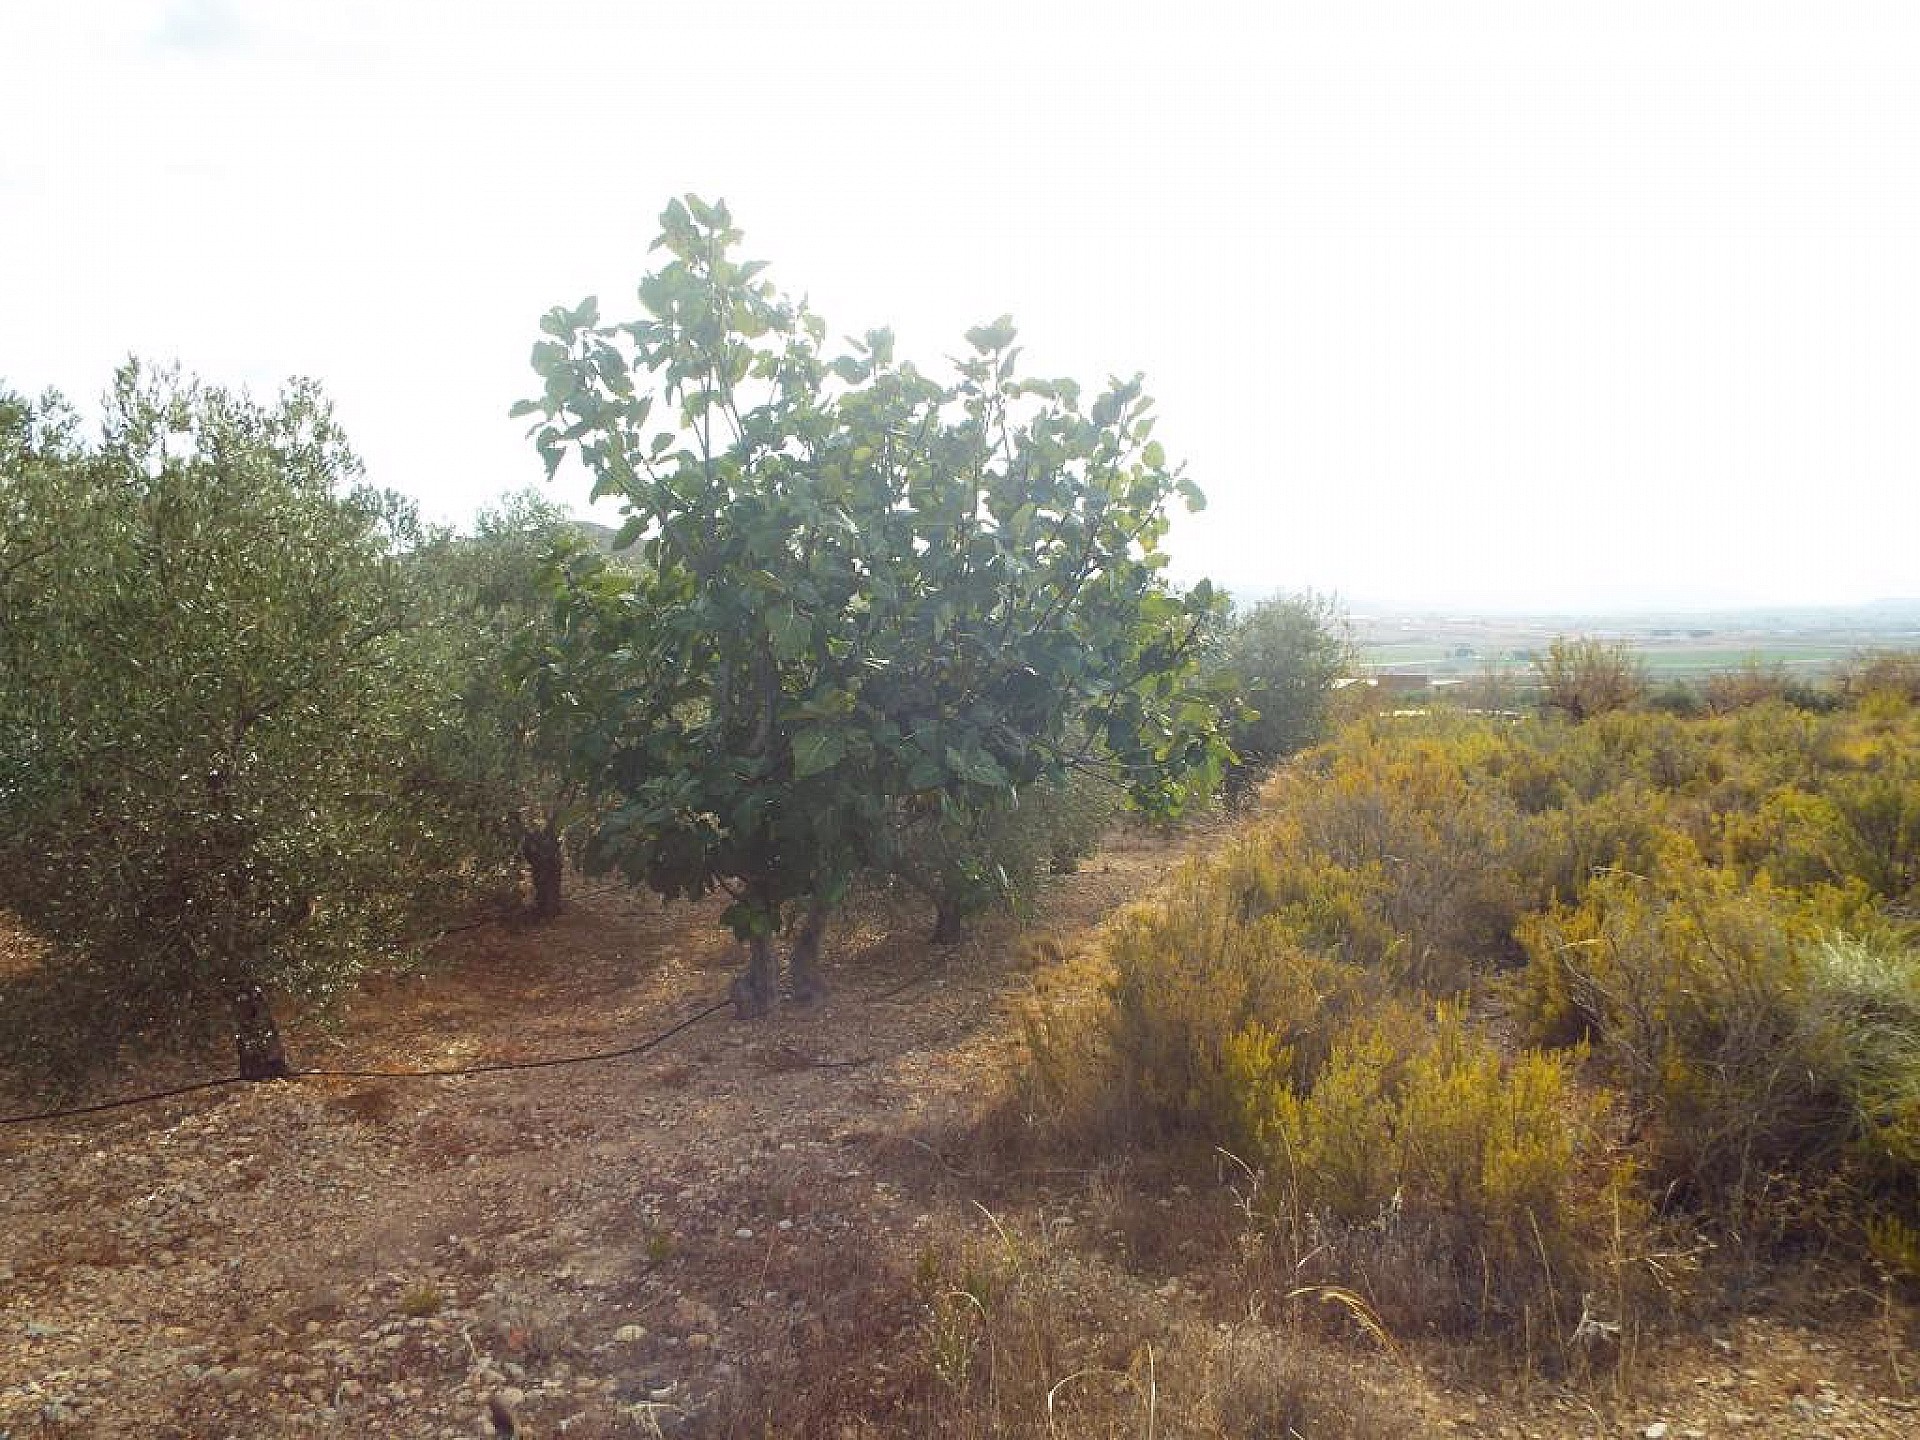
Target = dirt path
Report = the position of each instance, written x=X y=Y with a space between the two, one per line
x=608 y=1244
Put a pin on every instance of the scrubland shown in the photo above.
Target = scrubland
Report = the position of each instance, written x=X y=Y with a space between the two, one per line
x=1478 y=1075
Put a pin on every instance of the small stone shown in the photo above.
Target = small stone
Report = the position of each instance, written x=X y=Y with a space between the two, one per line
x=699 y=1340
x=1655 y=1431
x=743 y=1233
x=630 y=1334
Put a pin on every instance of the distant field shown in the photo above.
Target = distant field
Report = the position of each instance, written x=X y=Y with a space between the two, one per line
x=1706 y=661
x=1462 y=647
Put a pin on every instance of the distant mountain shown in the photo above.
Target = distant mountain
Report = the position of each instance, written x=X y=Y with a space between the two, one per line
x=602 y=536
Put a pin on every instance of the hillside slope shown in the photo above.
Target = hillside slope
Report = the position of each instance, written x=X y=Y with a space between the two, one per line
x=733 y=1234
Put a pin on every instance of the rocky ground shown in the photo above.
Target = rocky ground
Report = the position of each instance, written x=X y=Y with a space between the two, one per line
x=630 y=1246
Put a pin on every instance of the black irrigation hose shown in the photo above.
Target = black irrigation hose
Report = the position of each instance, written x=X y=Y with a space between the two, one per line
x=501 y=917
x=492 y=1068
x=495 y=1067
x=121 y=1103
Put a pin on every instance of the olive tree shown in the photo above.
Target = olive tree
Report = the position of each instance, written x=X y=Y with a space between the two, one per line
x=1287 y=652
x=863 y=588
x=211 y=736
x=964 y=863
x=509 y=611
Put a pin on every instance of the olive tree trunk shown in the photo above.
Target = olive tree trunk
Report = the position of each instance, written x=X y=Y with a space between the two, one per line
x=949 y=923
x=256 y=1037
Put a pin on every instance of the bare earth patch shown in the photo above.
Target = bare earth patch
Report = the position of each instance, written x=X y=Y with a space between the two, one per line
x=644 y=1246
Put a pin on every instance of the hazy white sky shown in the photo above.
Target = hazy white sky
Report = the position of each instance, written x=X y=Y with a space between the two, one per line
x=1516 y=305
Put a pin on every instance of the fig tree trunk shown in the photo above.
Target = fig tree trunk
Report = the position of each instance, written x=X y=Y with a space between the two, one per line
x=541 y=850
x=753 y=989
x=803 y=961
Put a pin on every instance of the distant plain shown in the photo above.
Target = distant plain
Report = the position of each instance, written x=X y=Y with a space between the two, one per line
x=1806 y=641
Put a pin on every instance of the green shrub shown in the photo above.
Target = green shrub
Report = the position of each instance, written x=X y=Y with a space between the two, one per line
x=1676 y=697
x=1754 y=682
x=1863 y=1003
x=1779 y=1075
x=998 y=854
x=1329 y=908
x=1287 y=652
x=1419 y=1125
x=1260 y=1006
x=1622 y=829
x=1580 y=679
x=1890 y=673
x=1417 y=815
x=1329 y=1135
x=1191 y=973
x=1875 y=834
x=1712 y=924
